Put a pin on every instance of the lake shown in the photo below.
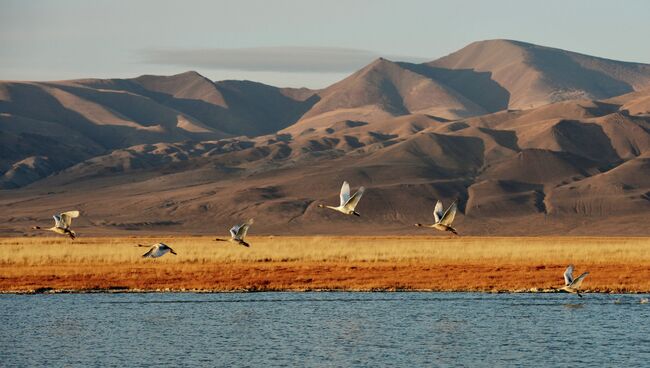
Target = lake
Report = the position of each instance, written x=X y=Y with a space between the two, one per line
x=319 y=329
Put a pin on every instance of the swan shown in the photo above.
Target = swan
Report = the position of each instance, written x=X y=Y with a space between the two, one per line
x=157 y=250
x=348 y=203
x=572 y=285
x=443 y=220
x=238 y=232
x=62 y=223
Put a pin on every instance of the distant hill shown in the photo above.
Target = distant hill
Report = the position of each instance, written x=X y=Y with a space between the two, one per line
x=84 y=118
x=185 y=154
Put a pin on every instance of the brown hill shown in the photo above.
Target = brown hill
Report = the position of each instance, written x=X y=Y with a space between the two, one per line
x=513 y=174
x=85 y=118
x=184 y=154
x=537 y=75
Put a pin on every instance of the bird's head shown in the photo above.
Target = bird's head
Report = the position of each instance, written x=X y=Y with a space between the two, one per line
x=321 y=205
x=418 y=225
x=36 y=227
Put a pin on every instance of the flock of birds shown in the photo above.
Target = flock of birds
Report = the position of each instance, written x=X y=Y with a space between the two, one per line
x=347 y=206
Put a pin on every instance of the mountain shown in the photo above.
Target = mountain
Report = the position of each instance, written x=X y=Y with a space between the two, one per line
x=537 y=75
x=185 y=154
x=483 y=77
x=63 y=123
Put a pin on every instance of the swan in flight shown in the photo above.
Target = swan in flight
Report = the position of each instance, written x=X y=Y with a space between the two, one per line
x=348 y=203
x=238 y=232
x=62 y=223
x=443 y=220
x=157 y=250
x=572 y=285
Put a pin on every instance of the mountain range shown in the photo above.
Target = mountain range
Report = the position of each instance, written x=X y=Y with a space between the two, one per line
x=531 y=140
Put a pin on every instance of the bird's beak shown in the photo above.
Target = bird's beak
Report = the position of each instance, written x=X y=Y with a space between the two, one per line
x=172 y=252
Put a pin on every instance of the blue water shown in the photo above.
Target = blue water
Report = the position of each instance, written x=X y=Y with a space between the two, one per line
x=324 y=329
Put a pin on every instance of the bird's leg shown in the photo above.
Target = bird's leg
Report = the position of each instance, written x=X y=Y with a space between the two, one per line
x=577 y=292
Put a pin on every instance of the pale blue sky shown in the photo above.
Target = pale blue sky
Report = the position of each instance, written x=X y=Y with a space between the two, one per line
x=293 y=43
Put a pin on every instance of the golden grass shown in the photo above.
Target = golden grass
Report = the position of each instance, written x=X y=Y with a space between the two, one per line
x=302 y=263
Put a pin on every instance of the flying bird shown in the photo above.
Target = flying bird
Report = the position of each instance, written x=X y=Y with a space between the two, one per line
x=157 y=250
x=443 y=220
x=572 y=285
x=62 y=223
x=348 y=203
x=238 y=233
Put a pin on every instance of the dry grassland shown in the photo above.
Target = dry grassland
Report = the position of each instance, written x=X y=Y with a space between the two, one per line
x=325 y=263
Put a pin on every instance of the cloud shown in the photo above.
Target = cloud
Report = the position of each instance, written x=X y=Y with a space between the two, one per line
x=274 y=59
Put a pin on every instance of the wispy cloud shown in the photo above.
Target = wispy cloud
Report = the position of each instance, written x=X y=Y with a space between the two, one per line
x=274 y=59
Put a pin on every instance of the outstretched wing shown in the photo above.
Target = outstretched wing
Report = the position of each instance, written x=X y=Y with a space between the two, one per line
x=243 y=229
x=149 y=252
x=345 y=193
x=234 y=230
x=448 y=217
x=351 y=204
x=437 y=211
x=57 y=221
x=66 y=218
x=568 y=275
x=578 y=281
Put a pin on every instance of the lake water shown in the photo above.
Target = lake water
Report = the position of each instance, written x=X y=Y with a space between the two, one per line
x=324 y=329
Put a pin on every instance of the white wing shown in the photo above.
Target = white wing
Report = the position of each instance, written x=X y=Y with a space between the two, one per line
x=66 y=218
x=437 y=212
x=243 y=229
x=57 y=221
x=345 y=193
x=234 y=230
x=568 y=275
x=354 y=200
x=578 y=281
x=448 y=217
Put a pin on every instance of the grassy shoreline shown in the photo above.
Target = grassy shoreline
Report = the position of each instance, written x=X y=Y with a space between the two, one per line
x=278 y=263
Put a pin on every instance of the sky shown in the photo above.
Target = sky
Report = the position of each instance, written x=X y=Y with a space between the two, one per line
x=293 y=43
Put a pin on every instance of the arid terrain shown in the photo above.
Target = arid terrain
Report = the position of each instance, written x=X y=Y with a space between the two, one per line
x=491 y=264
x=532 y=140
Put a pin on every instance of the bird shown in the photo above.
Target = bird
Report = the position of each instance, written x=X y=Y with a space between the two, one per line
x=644 y=301
x=443 y=220
x=572 y=285
x=238 y=233
x=157 y=250
x=348 y=203
x=62 y=223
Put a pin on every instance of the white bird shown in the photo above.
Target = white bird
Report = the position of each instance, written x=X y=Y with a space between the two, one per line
x=572 y=285
x=443 y=220
x=238 y=233
x=157 y=250
x=348 y=203
x=62 y=223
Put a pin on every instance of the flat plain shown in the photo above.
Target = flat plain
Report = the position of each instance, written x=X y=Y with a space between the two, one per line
x=301 y=263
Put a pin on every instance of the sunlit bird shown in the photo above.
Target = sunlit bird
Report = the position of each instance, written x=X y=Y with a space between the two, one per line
x=348 y=203
x=238 y=233
x=157 y=250
x=62 y=223
x=443 y=220
x=572 y=285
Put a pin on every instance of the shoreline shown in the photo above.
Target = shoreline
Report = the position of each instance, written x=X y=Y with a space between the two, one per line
x=50 y=291
x=312 y=264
